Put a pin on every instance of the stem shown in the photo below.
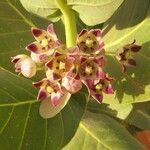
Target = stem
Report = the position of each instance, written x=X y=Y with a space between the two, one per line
x=69 y=22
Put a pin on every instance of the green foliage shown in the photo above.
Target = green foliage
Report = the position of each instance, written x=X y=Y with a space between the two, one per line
x=98 y=131
x=21 y=126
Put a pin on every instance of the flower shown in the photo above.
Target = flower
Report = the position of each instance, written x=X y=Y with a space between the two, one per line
x=49 y=89
x=90 y=42
x=125 y=55
x=25 y=65
x=45 y=44
x=59 y=65
x=97 y=87
x=90 y=67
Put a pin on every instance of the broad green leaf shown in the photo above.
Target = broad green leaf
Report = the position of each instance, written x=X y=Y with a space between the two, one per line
x=15 y=30
x=140 y=116
x=95 y=11
x=43 y=8
x=100 y=132
x=21 y=126
x=127 y=24
x=116 y=110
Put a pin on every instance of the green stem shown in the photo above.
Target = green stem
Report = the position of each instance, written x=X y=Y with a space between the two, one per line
x=69 y=21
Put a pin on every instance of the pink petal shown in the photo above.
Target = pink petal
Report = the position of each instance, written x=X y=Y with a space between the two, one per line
x=50 y=64
x=42 y=95
x=55 y=97
x=38 y=34
x=100 y=74
x=109 y=89
x=96 y=32
x=98 y=97
x=100 y=60
x=35 y=47
x=83 y=32
x=72 y=85
x=132 y=62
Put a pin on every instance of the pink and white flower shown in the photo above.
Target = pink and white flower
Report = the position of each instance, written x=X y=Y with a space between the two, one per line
x=96 y=88
x=125 y=55
x=25 y=65
x=45 y=44
x=90 y=42
x=91 y=67
x=59 y=65
x=49 y=89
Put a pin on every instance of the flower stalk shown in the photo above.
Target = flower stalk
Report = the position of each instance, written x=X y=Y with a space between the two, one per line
x=69 y=22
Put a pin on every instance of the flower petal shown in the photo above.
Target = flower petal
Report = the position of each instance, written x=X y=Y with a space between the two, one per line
x=42 y=95
x=38 y=34
x=55 y=98
x=132 y=62
x=71 y=84
x=47 y=110
x=34 y=47
x=84 y=31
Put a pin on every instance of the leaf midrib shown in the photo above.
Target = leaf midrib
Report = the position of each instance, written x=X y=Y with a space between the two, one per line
x=92 y=135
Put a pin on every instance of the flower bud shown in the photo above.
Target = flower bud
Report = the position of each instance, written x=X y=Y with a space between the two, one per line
x=25 y=65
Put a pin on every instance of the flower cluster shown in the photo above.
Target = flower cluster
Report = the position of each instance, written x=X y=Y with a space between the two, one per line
x=67 y=69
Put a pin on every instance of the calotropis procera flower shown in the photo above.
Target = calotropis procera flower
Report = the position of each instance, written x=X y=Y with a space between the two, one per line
x=97 y=87
x=45 y=44
x=59 y=65
x=25 y=65
x=90 y=42
x=49 y=89
x=90 y=67
x=125 y=55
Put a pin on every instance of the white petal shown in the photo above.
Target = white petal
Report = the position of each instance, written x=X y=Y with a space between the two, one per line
x=47 y=110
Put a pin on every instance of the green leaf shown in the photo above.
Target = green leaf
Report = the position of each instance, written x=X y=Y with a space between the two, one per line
x=127 y=24
x=116 y=110
x=43 y=8
x=100 y=132
x=95 y=11
x=21 y=126
x=15 y=30
x=140 y=116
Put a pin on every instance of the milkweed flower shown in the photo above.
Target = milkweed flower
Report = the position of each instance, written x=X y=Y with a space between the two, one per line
x=59 y=65
x=96 y=88
x=45 y=44
x=25 y=65
x=49 y=89
x=90 y=42
x=125 y=55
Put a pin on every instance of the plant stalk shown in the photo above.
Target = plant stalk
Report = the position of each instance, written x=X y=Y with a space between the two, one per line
x=69 y=22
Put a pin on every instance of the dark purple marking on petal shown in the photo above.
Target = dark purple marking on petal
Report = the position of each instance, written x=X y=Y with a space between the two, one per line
x=56 y=76
x=77 y=77
x=109 y=89
x=36 y=32
x=83 y=32
x=57 y=54
x=15 y=60
x=42 y=95
x=132 y=62
x=96 y=32
x=83 y=59
x=37 y=84
x=135 y=48
x=32 y=47
x=50 y=64
x=98 y=98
